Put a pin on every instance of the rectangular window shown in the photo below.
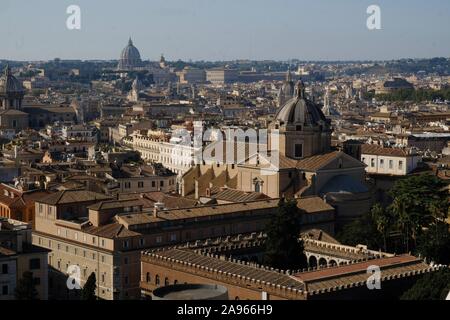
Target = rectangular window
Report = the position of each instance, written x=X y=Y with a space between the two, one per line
x=158 y=239
x=173 y=237
x=400 y=165
x=141 y=242
x=125 y=244
x=140 y=184
x=161 y=183
x=35 y=264
x=381 y=163
x=372 y=162
x=391 y=164
x=5 y=290
x=298 y=150
x=4 y=269
x=153 y=184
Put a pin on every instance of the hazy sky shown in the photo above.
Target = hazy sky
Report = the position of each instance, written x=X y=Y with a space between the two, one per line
x=225 y=29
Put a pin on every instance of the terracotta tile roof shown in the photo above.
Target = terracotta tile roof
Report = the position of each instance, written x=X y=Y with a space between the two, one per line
x=112 y=204
x=226 y=266
x=73 y=196
x=234 y=195
x=360 y=268
x=314 y=163
x=311 y=205
x=111 y=231
x=383 y=151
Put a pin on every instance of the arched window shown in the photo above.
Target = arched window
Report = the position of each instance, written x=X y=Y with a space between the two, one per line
x=157 y=280
x=237 y=298
x=148 y=277
x=166 y=281
x=175 y=282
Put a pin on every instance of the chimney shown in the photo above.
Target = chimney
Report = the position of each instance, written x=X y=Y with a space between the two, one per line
x=157 y=207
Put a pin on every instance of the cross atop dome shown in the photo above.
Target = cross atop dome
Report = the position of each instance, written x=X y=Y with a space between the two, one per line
x=7 y=70
x=289 y=75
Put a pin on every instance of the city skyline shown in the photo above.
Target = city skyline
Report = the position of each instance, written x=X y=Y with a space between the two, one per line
x=216 y=30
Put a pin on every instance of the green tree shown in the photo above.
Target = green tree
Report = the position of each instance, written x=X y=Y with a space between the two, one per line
x=419 y=203
x=88 y=291
x=432 y=286
x=26 y=288
x=382 y=221
x=434 y=244
x=361 y=231
x=284 y=249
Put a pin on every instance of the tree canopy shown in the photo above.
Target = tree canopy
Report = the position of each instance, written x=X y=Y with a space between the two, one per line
x=415 y=221
x=284 y=248
x=88 y=291
x=432 y=286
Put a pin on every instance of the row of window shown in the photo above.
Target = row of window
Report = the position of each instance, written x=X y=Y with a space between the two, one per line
x=382 y=162
x=127 y=185
x=66 y=248
x=158 y=239
x=66 y=233
x=157 y=280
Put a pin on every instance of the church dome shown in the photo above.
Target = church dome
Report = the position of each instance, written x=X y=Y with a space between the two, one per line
x=300 y=110
x=9 y=84
x=343 y=184
x=130 y=57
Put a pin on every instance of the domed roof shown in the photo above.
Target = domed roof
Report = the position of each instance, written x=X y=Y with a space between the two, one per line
x=343 y=184
x=130 y=56
x=300 y=110
x=9 y=84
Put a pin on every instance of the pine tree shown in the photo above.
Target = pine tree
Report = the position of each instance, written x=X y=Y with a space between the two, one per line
x=26 y=289
x=432 y=286
x=284 y=249
x=88 y=291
